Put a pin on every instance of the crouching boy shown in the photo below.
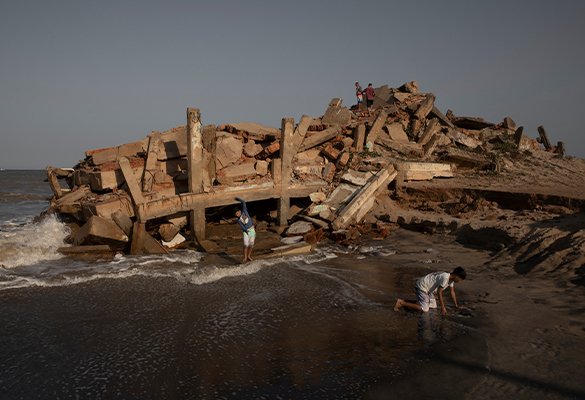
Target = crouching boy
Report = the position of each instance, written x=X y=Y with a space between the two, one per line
x=427 y=286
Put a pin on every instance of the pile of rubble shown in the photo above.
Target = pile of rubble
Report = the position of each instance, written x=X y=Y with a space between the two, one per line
x=152 y=195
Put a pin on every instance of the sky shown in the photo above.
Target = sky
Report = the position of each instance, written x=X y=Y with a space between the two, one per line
x=81 y=75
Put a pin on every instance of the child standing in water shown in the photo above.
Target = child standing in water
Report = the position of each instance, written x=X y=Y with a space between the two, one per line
x=245 y=222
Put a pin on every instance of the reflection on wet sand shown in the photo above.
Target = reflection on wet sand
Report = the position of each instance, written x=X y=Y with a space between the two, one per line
x=294 y=329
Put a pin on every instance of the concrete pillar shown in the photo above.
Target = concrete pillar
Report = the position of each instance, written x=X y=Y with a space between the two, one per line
x=196 y=170
x=282 y=209
x=286 y=149
x=286 y=156
x=210 y=144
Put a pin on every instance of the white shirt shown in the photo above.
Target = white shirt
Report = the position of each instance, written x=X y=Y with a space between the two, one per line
x=431 y=282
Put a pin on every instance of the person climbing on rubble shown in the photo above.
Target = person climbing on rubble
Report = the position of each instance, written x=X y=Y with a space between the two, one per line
x=359 y=93
x=370 y=94
x=247 y=225
x=427 y=286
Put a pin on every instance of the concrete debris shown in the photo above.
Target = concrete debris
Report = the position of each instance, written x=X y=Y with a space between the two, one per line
x=167 y=187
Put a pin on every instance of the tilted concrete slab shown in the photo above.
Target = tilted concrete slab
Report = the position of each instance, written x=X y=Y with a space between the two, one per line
x=346 y=216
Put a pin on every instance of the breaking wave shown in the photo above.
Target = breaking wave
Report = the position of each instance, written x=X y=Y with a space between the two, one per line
x=25 y=243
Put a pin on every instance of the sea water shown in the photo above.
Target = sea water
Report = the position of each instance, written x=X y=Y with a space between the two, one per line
x=183 y=326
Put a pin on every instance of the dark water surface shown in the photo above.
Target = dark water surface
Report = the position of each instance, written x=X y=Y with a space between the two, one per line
x=289 y=331
x=179 y=326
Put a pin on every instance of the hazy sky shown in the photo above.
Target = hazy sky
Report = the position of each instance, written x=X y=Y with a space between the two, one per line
x=79 y=75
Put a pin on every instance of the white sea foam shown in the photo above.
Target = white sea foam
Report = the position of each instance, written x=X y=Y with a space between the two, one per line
x=31 y=243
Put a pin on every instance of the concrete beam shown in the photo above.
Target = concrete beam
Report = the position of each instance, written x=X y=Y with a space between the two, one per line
x=154 y=145
x=222 y=197
x=345 y=216
x=135 y=190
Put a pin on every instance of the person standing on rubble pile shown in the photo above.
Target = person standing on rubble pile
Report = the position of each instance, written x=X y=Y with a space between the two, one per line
x=370 y=94
x=247 y=225
x=359 y=93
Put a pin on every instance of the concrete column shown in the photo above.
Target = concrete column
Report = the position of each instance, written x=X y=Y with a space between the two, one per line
x=194 y=159
x=286 y=156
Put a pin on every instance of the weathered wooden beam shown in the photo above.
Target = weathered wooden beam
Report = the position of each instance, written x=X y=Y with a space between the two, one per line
x=346 y=215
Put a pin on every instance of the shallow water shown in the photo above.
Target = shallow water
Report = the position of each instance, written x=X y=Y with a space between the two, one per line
x=181 y=326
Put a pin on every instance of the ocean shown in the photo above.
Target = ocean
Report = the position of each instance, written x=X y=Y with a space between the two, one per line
x=188 y=326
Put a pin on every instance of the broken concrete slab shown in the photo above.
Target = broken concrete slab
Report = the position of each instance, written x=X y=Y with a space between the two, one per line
x=320 y=137
x=228 y=151
x=111 y=154
x=135 y=190
x=105 y=208
x=174 y=143
x=54 y=183
x=471 y=123
x=143 y=243
x=359 y=136
x=309 y=155
x=123 y=221
x=299 y=228
x=543 y=138
x=315 y=169
x=345 y=216
x=251 y=148
x=462 y=139
x=431 y=128
x=375 y=130
x=154 y=144
x=318 y=197
x=236 y=173
x=465 y=159
x=510 y=124
x=406 y=149
x=340 y=196
x=411 y=171
x=356 y=178
x=364 y=209
x=336 y=115
x=100 y=230
x=254 y=131
x=261 y=168
x=293 y=249
x=175 y=242
x=435 y=113
x=396 y=132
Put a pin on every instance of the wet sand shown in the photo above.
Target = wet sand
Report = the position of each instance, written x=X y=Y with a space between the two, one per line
x=325 y=330
x=527 y=342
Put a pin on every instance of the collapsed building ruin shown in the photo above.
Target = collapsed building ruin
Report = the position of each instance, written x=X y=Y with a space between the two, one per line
x=148 y=196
